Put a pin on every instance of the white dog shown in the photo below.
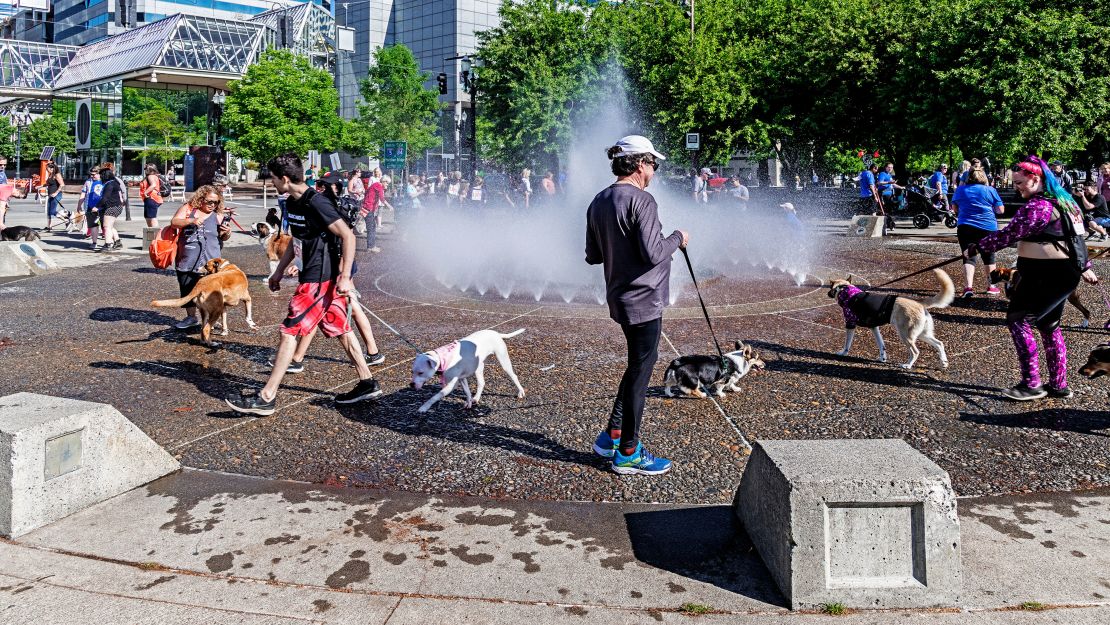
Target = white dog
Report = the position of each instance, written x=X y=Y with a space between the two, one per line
x=460 y=360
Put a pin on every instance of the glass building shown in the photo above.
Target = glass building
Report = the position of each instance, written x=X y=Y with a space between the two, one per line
x=434 y=30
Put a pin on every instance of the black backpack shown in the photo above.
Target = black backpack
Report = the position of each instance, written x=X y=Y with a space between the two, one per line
x=1076 y=243
x=163 y=186
x=350 y=208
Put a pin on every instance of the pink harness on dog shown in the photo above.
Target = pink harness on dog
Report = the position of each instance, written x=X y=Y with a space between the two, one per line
x=442 y=354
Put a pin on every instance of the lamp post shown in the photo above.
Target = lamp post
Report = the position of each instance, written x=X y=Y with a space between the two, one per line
x=470 y=82
x=22 y=119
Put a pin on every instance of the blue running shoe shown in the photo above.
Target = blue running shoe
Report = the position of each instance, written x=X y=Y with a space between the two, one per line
x=605 y=445
x=641 y=462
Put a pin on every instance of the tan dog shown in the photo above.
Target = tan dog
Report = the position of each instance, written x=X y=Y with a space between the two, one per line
x=275 y=244
x=223 y=286
x=910 y=318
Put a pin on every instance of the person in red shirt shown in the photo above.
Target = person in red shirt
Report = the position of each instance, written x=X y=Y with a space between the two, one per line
x=374 y=199
x=150 y=191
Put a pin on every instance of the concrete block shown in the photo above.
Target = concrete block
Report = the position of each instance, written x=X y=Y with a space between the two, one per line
x=59 y=456
x=866 y=523
x=149 y=235
x=867 y=226
x=24 y=258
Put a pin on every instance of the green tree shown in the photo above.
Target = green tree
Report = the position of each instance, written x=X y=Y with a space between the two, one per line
x=395 y=106
x=7 y=140
x=161 y=124
x=44 y=131
x=282 y=104
x=542 y=70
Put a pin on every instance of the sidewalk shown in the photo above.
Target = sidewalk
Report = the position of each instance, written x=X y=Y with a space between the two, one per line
x=201 y=547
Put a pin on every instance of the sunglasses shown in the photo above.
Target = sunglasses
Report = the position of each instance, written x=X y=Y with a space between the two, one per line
x=212 y=202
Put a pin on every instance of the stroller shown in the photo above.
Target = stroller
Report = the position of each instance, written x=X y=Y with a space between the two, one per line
x=922 y=205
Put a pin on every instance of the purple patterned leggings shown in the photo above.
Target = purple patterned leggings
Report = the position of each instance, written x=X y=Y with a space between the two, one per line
x=1055 y=352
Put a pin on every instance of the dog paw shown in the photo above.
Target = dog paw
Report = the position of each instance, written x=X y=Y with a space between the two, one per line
x=423 y=409
x=944 y=364
x=882 y=358
x=907 y=366
x=520 y=395
x=842 y=352
x=1084 y=324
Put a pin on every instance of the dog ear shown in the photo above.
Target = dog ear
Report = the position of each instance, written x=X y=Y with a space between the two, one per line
x=739 y=345
x=849 y=279
x=748 y=351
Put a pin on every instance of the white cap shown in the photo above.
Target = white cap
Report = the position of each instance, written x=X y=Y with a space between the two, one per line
x=787 y=205
x=706 y=170
x=637 y=144
x=386 y=179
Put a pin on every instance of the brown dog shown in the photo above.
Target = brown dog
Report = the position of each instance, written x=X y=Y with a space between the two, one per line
x=223 y=286
x=1011 y=276
x=1098 y=363
x=274 y=243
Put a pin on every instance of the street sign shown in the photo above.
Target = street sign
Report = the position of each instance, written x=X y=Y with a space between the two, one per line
x=693 y=141
x=394 y=154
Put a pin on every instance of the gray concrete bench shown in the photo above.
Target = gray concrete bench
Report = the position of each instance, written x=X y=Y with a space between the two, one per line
x=864 y=523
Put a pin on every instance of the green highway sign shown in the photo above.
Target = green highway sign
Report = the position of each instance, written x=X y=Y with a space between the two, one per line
x=394 y=154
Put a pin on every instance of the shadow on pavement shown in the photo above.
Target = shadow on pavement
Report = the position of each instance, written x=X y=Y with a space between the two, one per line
x=1094 y=422
x=706 y=544
x=211 y=381
x=449 y=421
x=116 y=313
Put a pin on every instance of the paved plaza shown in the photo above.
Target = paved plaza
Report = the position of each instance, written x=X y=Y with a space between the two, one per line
x=460 y=503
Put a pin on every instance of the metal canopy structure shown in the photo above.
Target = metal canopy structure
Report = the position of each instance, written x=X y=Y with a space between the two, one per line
x=30 y=70
x=184 y=49
x=181 y=49
x=309 y=30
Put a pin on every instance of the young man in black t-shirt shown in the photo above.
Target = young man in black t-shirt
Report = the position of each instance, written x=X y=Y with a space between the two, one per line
x=327 y=255
x=1095 y=212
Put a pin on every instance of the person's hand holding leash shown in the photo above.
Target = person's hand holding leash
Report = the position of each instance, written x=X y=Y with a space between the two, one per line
x=1090 y=277
x=275 y=281
x=343 y=285
x=685 y=239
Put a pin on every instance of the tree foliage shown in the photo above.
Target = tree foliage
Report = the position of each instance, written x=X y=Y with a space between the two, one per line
x=282 y=104
x=7 y=138
x=395 y=106
x=44 y=131
x=912 y=79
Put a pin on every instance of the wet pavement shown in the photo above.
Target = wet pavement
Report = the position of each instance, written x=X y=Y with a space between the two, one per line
x=91 y=334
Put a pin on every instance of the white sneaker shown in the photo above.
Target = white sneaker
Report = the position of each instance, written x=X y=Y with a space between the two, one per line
x=186 y=323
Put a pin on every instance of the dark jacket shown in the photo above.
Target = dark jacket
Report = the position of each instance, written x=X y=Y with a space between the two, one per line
x=624 y=234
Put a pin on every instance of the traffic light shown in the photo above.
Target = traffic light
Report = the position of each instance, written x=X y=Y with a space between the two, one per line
x=442 y=80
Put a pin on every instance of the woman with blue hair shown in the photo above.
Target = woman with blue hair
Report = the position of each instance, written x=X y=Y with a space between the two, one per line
x=1045 y=276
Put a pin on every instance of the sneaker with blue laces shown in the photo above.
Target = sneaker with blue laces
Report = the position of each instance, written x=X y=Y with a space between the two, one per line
x=605 y=445
x=641 y=462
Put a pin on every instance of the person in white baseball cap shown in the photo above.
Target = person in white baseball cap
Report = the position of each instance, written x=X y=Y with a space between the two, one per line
x=623 y=233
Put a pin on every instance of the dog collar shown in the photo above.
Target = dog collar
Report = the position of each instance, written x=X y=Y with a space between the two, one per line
x=442 y=353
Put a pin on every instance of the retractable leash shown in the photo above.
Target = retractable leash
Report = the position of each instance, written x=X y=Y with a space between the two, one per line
x=704 y=311
x=920 y=271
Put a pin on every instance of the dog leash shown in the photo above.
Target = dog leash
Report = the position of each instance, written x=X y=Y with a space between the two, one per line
x=354 y=295
x=704 y=310
x=920 y=271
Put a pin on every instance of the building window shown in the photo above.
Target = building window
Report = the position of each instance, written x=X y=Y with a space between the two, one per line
x=97 y=21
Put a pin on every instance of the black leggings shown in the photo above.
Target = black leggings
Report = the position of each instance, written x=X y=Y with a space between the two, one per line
x=628 y=409
x=1043 y=287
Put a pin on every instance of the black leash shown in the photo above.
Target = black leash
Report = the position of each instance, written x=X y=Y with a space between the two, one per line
x=704 y=311
x=920 y=271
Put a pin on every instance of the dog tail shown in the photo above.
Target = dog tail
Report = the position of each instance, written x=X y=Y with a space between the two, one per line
x=173 y=303
x=947 y=292
x=512 y=334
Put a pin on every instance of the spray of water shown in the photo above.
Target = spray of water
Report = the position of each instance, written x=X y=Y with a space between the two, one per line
x=540 y=253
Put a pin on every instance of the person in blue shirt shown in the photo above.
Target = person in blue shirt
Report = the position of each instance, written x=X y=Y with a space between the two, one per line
x=886 y=185
x=977 y=206
x=939 y=182
x=868 y=192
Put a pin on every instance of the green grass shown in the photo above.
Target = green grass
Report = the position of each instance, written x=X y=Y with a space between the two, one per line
x=836 y=609
x=694 y=608
x=1032 y=606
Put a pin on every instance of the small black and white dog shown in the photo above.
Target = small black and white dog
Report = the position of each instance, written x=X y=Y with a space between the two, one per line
x=690 y=373
x=18 y=233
